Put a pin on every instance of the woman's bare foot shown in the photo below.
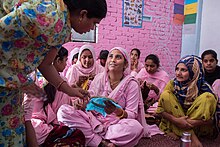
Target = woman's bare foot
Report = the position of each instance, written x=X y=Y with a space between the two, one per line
x=106 y=143
x=172 y=136
x=195 y=141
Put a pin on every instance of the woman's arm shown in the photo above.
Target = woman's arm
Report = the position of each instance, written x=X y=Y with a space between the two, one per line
x=196 y=123
x=49 y=72
x=31 y=136
x=180 y=122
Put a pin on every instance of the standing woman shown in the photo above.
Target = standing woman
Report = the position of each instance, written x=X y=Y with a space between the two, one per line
x=85 y=69
x=188 y=102
x=31 y=34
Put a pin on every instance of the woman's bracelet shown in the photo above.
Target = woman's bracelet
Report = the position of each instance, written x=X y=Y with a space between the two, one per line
x=122 y=115
x=59 y=85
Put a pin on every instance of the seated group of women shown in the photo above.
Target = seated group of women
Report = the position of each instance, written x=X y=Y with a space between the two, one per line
x=185 y=103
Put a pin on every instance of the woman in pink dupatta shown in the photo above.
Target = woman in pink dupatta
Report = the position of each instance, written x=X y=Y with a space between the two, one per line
x=122 y=126
x=85 y=68
x=156 y=80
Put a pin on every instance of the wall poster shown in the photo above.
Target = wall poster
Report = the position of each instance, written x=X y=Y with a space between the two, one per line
x=132 y=15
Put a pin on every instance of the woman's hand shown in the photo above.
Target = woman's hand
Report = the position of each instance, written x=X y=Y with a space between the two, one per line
x=134 y=65
x=92 y=76
x=79 y=92
x=81 y=80
x=80 y=104
x=151 y=86
x=141 y=83
x=109 y=107
x=144 y=90
x=199 y=122
x=182 y=123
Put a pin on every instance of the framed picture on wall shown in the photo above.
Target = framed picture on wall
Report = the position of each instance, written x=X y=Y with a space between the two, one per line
x=132 y=15
x=85 y=37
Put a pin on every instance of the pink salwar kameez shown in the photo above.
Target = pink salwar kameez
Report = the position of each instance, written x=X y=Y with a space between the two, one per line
x=42 y=122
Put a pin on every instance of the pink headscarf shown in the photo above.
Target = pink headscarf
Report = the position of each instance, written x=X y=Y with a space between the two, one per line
x=70 y=46
x=126 y=56
x=78 y=63
x=73 y=52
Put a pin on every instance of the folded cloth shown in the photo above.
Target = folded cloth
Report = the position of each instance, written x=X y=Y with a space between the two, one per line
x=97 y=104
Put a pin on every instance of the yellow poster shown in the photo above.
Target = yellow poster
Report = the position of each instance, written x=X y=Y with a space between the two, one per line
x=190 y=8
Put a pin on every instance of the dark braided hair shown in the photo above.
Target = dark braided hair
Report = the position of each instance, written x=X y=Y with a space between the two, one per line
x=49 y=89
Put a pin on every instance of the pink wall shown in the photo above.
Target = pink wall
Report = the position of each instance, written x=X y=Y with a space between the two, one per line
x=160 y=36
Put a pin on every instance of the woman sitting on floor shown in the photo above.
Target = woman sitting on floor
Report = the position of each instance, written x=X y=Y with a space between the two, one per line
x=120 y=127
x=44 y=115
x=153 y=80
x=188 y=102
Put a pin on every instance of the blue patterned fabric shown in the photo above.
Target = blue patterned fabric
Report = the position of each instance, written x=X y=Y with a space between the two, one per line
x=97 y=104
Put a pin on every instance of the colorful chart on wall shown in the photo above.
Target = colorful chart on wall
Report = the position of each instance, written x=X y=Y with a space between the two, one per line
x=178 y=13
x=132 y=15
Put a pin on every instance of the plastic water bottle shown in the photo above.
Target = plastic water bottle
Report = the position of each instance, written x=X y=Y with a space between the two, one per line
x=186 y=140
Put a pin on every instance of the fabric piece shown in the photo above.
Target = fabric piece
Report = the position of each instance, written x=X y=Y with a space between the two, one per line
x=97 y=104
x=65 y=136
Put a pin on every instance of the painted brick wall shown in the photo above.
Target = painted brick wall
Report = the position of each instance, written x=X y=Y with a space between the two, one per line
x=160 y=36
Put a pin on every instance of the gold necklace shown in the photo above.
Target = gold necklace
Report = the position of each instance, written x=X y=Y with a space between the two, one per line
x=114 y=84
